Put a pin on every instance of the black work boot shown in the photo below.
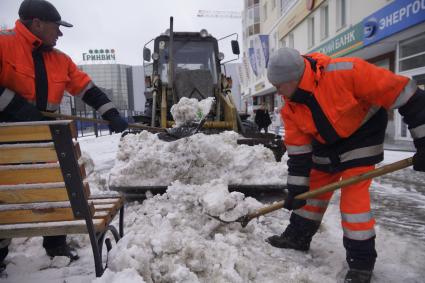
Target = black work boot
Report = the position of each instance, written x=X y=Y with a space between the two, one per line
x=2 y=267
x=3 y=253
x=361 y=257
x=297 y=235
x=358 y=276
x=57 y=246
x=64 y=250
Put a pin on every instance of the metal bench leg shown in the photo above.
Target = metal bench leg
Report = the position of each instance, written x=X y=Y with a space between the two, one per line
x=121 y=224
x=107 y=241
x=97 y=255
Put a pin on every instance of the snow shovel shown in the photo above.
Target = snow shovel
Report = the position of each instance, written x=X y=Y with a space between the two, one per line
x=100 y=121
x=183 y=131
x=244 y=220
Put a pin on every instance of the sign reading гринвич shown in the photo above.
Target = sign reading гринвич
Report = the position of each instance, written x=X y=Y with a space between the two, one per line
x=99 y=55
x=397 y=16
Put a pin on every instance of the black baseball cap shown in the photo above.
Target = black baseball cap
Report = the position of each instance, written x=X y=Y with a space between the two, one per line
x=40 y=9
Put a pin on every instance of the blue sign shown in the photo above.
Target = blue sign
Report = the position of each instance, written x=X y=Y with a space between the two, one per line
x=264 y=39
x=253 y=60
x=399 y=15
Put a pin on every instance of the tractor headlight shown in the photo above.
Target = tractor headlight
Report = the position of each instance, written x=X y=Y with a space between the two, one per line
x=155 y=56
x=203 y=33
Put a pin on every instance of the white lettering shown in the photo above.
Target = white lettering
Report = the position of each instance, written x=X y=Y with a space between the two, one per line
x=416 y=7
x=395 y=17
x=408 y=9
x=381 y=24
x=388 y=20
x=402 y=13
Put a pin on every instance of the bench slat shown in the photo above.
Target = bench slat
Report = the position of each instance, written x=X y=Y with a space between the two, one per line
x=44 y=192
x=31 y=228
x=36 y=173
x=25 y=133
x=50 y=228
x=52 y=211
x=36 y=215
x=30 y=175
x=27 y=155
x=33 y=195
x=31 y=131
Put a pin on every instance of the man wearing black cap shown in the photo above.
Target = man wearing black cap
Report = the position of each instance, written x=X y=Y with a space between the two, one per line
x=33 y=78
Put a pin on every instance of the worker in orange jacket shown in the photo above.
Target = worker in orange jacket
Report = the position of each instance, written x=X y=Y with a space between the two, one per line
x=335 y=117
x=33 y=78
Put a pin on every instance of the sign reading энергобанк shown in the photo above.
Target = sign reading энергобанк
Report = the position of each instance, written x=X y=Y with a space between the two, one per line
x=99 y=55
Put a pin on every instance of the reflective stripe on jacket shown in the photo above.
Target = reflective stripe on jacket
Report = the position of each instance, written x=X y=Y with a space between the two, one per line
x=17 y=68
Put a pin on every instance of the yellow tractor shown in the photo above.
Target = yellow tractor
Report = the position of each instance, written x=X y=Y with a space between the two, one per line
x=189 y=64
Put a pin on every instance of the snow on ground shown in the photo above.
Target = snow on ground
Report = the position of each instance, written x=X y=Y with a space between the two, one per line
x=171 y=238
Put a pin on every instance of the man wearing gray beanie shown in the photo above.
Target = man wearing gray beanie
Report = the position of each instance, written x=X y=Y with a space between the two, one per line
x=335 y=116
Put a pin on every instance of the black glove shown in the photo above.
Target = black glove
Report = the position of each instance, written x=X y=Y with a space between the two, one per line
x=21 y=111
x=291 y=203
x=419 y=160
x=116 y=123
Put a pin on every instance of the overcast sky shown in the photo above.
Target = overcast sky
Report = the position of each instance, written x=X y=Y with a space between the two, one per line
x=126 y=25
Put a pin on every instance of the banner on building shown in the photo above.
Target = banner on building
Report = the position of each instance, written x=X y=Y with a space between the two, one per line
x=264 y=39
x=253 y=60
x=395 y=17
x=344 y=43
x=246 y=68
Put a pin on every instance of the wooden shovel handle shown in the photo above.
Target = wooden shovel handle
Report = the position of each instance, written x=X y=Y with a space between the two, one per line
x=332 y=187
x=100 y=121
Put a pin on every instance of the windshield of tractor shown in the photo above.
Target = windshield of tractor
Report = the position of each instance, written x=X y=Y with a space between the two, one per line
x=188 y=56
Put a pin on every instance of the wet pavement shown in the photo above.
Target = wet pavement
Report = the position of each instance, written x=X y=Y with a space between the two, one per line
x=398 y=201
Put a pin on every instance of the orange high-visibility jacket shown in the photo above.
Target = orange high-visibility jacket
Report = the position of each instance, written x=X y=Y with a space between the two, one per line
x=17 y=68
x=336 y=119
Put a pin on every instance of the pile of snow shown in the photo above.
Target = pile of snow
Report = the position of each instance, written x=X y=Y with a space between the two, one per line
x=144 y=160
x=172 y=239
x=190 y=110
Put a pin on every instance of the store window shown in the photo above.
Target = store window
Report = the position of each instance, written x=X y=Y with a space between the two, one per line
x=412 y=53
x=324 y=22
x=291 y=43
x=310 y=27
x=341 y=14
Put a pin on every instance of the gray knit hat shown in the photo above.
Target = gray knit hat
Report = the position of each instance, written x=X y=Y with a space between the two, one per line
x=285 y=65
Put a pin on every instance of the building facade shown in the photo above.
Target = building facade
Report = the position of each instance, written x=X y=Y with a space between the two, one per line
x=116 y=80
x=390 y=34
x=123 y=84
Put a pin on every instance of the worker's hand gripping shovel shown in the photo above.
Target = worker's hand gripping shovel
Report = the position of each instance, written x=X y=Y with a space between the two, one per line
x=244 y=220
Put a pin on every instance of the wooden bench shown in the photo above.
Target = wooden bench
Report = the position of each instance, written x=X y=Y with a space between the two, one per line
x=42 y=188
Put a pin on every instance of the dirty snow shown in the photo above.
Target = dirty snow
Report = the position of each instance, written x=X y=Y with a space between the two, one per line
x=190 y=110
x=171 y=238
